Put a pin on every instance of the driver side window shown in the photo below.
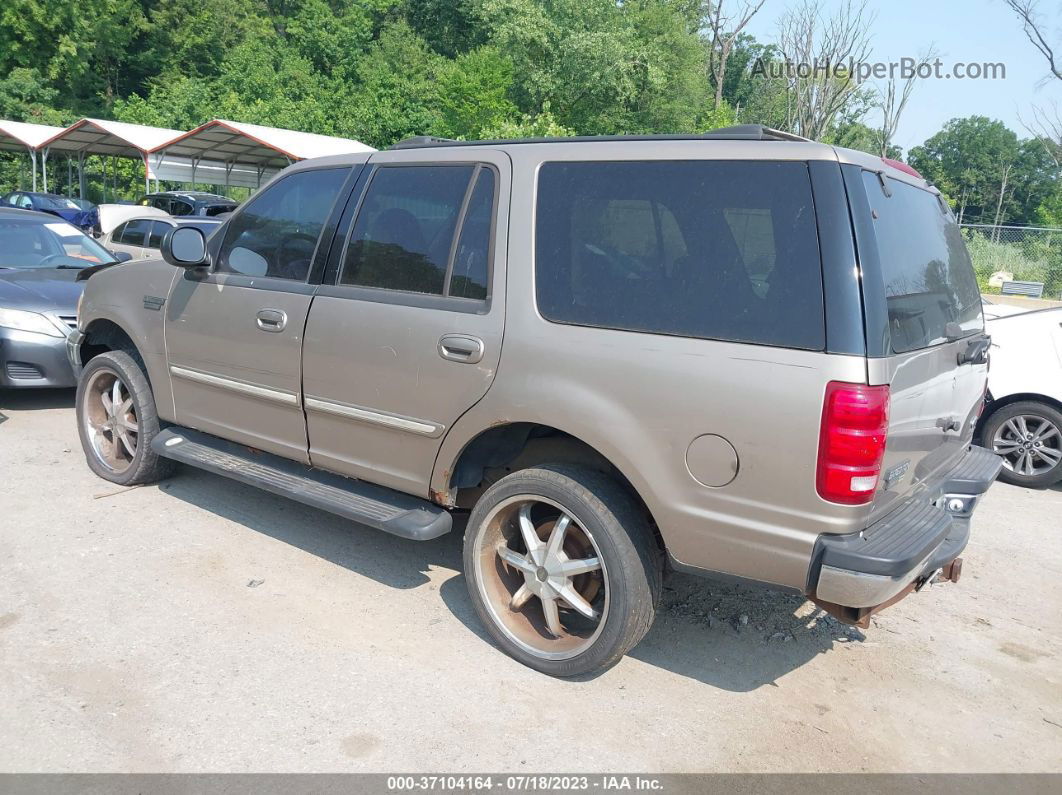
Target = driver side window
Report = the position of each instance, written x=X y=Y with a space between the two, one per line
x=276 y=233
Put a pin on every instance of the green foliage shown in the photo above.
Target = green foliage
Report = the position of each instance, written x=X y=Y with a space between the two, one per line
x=1038 y=259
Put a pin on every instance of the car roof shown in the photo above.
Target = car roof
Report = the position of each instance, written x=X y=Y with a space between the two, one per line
x=25 y=214
x=753 y=141
x=193 y=194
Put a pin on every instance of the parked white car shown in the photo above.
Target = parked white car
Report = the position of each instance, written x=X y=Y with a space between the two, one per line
x=141 y=237
x=111 y=215
x=1023 y=419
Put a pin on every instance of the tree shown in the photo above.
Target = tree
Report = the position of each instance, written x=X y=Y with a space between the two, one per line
x=1036 y=31
x=725 y=24
x=893 y=99
x=816 y=49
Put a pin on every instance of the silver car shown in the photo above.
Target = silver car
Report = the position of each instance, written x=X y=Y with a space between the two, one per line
x=141 y=237
x=737 y=354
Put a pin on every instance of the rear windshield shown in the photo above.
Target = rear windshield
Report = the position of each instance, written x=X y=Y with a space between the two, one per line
x=930 y=286
x=722 y=250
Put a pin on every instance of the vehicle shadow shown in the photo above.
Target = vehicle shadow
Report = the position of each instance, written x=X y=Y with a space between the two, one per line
x=733 y=637
x=37 y=399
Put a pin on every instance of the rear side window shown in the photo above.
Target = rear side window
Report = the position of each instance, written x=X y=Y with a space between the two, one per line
x=133 y=233
x=158 y=231
x=930 y=286
x=723 y=250
x=404 y=235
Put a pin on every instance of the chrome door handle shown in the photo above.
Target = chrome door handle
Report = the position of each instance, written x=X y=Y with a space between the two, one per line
x=461 y=348
x=271 y=319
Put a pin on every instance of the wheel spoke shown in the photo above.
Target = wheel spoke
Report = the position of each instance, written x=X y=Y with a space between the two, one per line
x=129 y=424
x=1050 y=455
x=520 y=598
x=556 y=537
x=1006 y=447
x=527 y=528
x=1027 y=463
x=126 y=443
x=575 y=599
x=571 y=568
x=1047 y=431
x=552 y=614
x=116 y=395
x=515 y=559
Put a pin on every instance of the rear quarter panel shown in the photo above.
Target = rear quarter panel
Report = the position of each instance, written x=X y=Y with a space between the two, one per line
x=1026 y=354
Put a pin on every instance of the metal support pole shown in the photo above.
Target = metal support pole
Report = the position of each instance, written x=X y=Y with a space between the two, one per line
x=147 y=175
x=69 y=176
x=44 y=169
x=81 y=174
x=33 y=163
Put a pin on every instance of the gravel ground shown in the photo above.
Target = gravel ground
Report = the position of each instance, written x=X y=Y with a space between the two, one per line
x=201 y=625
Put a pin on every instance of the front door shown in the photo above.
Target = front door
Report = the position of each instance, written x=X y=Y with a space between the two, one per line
x=234 y=334
x=409 y=336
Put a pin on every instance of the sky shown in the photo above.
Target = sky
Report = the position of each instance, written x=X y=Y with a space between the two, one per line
x=971 y=31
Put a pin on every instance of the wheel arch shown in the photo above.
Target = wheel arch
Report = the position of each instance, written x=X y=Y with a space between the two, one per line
x=512 y=446
x=996 y=404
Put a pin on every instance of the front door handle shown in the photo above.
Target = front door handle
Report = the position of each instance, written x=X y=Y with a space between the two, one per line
x=461 y=348
x=271 y=319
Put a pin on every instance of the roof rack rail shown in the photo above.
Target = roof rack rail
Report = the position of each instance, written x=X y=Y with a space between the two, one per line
x=741 y=132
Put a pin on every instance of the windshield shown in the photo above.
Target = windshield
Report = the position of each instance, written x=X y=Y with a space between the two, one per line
x=56 y=203
x=29 y=243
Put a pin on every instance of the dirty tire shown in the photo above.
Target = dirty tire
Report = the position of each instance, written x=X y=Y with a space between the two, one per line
x=997 y=437
x=604 y=513
x=145 y=466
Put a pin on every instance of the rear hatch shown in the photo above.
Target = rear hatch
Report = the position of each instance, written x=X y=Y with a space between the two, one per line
x=934 y=322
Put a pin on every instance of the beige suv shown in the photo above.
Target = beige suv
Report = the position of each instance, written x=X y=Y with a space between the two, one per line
x=739 y=353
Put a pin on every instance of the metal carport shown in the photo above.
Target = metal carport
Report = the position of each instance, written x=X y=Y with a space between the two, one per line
x=16 y=136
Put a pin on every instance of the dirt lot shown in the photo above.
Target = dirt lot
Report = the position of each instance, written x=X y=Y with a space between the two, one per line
x=201 y=625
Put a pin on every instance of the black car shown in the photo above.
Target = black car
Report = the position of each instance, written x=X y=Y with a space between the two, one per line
x=189 y=203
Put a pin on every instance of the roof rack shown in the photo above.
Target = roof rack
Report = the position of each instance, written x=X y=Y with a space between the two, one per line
x=741 y=132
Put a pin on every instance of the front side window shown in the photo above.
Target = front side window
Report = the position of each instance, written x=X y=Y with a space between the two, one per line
x=276 y=233
x=723 y=250
x=930 y=286
x=404 y=233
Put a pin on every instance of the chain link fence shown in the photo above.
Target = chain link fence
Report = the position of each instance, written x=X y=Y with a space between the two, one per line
x=1021 y=253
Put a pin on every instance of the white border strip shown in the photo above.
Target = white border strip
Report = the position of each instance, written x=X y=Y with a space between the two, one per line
x=374 y=417
x=266 y=393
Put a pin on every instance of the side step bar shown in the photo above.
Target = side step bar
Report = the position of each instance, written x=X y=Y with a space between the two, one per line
x=391 y=511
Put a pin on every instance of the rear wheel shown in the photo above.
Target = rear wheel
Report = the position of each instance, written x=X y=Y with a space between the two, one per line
x=562 y=568
x=1028 y=437
x=116 y=421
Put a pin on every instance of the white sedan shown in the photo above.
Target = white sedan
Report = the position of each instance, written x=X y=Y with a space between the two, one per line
x=1023 y=419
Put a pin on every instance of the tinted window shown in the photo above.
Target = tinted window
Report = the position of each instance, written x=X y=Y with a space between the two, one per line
x=929 y=280
x=132 y=233
x=404 y=231
x=218 y=209
x=711 y=249
x=158 y=231
x=277 y=232
x=180 y=207
x=472 y=256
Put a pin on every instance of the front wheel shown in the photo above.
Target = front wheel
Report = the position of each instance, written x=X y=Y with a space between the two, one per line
x=1028 y=437
x=562 y=568
x=116 y=420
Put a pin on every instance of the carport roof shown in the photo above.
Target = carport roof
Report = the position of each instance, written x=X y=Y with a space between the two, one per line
x=19 y=135
x=102 y=137
x=226 y=141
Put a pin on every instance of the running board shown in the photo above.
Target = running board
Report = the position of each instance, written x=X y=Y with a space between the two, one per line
x=384 y=509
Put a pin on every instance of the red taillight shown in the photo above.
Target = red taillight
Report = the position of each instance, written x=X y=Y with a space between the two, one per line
x=855 y=420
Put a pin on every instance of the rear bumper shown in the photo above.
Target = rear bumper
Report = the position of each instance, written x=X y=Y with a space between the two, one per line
x=862 y=572
x=28 y=359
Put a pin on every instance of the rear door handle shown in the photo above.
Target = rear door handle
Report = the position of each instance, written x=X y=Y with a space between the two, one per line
x=271 y=319
x=461 y=348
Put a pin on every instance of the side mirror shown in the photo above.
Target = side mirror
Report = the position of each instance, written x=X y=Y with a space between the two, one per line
x=121 y=256
x=185 y=247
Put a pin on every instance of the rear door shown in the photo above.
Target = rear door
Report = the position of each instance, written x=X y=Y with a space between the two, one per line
x=924 y=312
x=130 y=237
x=409 y=336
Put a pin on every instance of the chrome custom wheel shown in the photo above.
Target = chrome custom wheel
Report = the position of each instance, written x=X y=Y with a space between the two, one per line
x=110 y=420
x=1030 y=445
x=542 y=578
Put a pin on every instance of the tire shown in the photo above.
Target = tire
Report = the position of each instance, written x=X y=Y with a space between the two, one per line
x=604 y=525
x=1035 y=462
x=105 y=451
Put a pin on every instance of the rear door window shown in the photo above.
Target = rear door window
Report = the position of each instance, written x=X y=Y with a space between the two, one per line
x=133 y=233
x=930 y=286
x=404 y=231
x=723 y=250
x=158 y=231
